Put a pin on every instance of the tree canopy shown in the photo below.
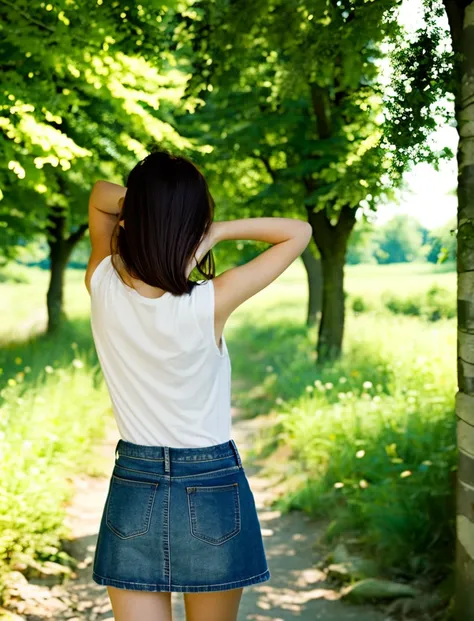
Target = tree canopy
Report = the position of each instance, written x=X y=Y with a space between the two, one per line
x=86 y=90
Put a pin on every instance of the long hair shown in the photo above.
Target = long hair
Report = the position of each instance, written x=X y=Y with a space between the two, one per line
x=166 y=212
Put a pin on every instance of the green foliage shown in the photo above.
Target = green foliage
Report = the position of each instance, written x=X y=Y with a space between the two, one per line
x=368 y=438
x=443 y=243
x=294 y=94
x=431 y=303
x=369 y=442
x=400 y=240
x=435 y=304
x=359 y=304
x=51 y=409
x=231 y=253
x=421 y=94
x=86 y=90
x=362 y=243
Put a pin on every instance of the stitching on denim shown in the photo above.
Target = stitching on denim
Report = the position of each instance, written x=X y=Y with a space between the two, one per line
x=197 y=586
x=151 y=502
x=205 y=475
x=116 y=476
x=144 y=458
x=168 y=514
x=211 y=488
x=236 y=452
x=178 y=461
x=216 y=541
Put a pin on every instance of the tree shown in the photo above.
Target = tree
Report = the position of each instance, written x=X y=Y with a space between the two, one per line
x=429 y=75
x=312 y=264
x=461 y=21
x=297 y=92
x=400 y=240
x=80 y=100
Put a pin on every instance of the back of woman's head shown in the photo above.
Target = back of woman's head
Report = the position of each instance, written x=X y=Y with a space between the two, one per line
x=166 y=212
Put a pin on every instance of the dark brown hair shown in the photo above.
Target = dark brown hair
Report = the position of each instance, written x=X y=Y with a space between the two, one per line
x=166 y=212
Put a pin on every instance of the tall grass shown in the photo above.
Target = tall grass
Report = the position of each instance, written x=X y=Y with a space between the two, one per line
x=375 y=437
x=370 y=440
x=53 y=406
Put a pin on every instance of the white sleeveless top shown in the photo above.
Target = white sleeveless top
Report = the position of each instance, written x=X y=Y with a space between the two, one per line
x=168 y=381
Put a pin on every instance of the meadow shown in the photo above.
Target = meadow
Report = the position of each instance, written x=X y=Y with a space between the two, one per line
x=367 y=443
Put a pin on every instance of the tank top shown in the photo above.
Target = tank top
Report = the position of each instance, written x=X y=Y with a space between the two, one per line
x=169 y=383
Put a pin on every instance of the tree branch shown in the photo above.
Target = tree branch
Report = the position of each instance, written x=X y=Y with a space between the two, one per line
x=27 y=16
x=77 y=235
x=323 y=230
x=266 y=162
x=455 y=14
x=308 y=184
x=320 y=101
x=346 y=222
x=32 y=20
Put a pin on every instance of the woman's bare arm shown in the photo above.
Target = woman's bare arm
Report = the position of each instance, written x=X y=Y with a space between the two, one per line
x=107 y=197
x=269 y=230
x=289 y=237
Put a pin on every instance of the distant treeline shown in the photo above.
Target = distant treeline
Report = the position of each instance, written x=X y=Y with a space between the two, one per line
x=402 y=240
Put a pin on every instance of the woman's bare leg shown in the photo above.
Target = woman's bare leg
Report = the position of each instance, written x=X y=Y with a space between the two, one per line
x=130 y=605
x=213 y=606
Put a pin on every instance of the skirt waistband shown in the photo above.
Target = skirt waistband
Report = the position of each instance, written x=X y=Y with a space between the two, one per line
x=178 y=454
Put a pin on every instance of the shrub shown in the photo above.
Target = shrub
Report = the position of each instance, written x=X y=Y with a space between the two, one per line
x=440 y=303
x=370 y=438
x=49 y=413
x=404 y=306
x=437 y=303
x=359 y=304
x=381 y=466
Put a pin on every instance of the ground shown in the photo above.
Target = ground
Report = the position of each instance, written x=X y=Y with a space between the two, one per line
x=297 y=588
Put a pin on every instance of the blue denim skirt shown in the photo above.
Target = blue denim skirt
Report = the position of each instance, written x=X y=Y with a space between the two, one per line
x=179 y=519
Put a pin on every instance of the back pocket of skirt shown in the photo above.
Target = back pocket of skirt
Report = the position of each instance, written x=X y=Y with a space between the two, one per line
x=129 y=506
x=214 y=512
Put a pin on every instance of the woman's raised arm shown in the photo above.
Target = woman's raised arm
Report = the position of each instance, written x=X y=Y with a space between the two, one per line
x=289 y=237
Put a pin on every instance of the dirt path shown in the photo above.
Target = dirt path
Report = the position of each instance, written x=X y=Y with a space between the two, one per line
x=296 y=591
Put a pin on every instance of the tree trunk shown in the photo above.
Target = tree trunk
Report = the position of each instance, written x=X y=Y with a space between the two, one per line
x=461 y=20
x=60 y=249
x=331 y=328
x=59 y=259
x=331 y=240
x=314 y=275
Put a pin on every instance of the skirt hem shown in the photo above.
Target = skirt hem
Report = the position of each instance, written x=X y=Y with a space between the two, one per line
x=179 y=588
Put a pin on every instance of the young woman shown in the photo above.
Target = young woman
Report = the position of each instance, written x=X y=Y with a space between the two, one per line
x=179 y=514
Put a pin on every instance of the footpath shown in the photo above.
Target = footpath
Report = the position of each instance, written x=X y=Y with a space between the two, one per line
x=297 y=590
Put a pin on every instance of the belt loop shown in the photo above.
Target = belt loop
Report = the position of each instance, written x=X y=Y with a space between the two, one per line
x=167 y=458
x=236 y=452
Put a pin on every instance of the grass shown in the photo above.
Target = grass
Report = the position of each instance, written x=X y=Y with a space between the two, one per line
x=370 y=440
x=53 y=406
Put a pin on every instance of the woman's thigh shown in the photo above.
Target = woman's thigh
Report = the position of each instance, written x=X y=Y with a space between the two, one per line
x=130 y=605
x=213 y=606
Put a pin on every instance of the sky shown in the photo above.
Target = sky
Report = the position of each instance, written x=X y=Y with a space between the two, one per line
x=431 y=194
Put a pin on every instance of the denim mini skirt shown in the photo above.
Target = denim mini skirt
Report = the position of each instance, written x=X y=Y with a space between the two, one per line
x=179 y=519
